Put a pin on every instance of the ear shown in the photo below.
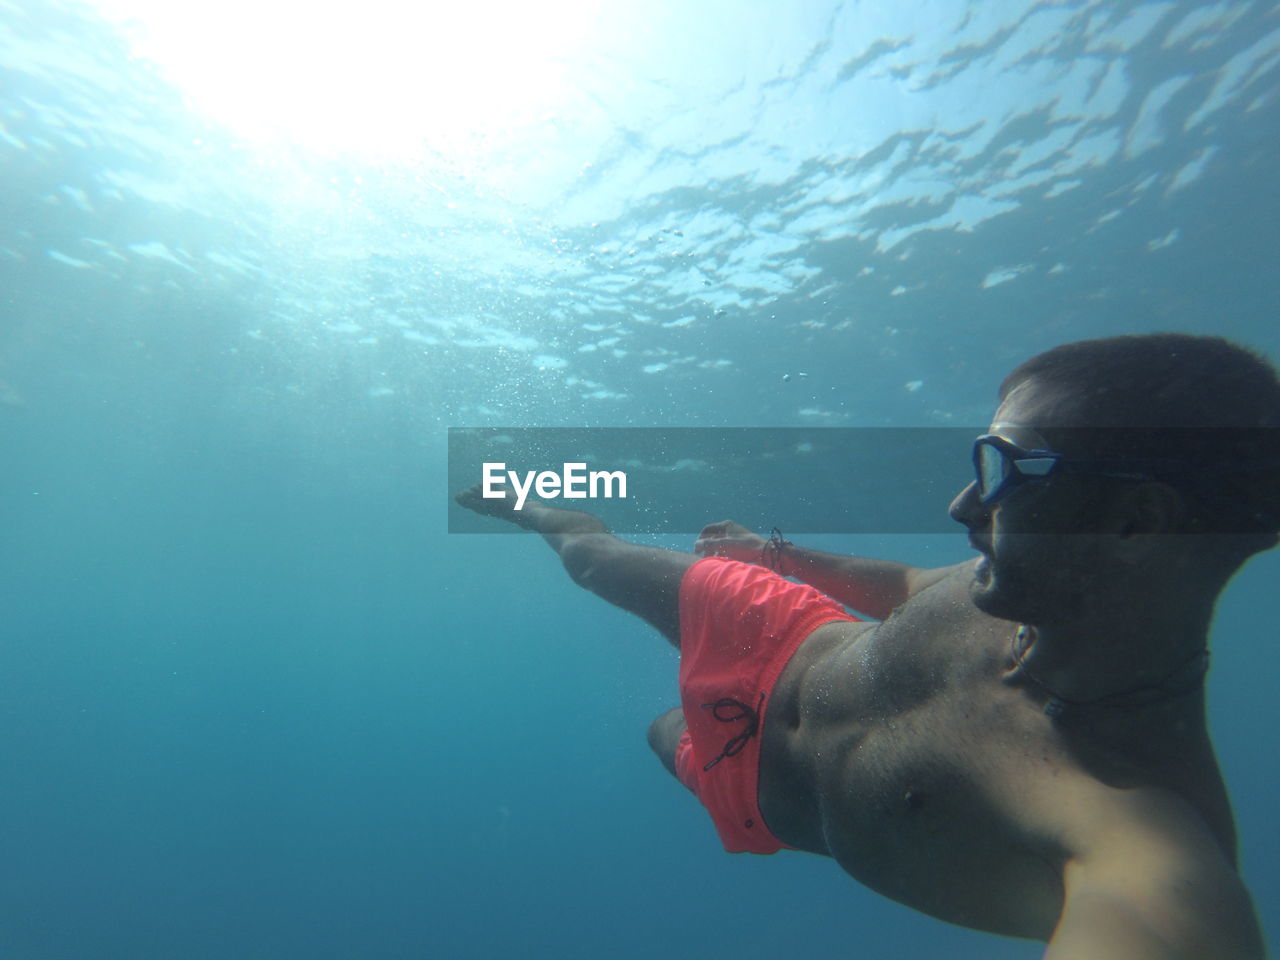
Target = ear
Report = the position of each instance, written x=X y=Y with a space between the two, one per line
x=1149 y=509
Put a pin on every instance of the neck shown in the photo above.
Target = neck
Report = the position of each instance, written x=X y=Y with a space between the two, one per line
x=1114 y=665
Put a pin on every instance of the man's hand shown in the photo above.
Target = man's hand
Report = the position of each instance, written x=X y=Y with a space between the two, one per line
x=551 y=522
x=502 y=508
x=732 y=540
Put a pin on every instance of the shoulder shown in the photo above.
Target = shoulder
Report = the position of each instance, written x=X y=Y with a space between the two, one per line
x=1142 y=862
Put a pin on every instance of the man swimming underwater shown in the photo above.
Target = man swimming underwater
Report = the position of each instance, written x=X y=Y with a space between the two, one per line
x=1020 y=745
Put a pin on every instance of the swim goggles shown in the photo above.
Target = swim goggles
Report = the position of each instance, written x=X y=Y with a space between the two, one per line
x=1002 y=466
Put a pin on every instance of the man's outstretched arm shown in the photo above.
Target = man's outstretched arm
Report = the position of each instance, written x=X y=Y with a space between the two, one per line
x=871 y=587
x=641 y=580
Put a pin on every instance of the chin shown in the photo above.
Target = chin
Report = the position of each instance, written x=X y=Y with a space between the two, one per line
x=994 y=596
x=987 y=599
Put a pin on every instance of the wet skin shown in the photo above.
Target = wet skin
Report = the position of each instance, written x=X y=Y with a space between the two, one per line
x=917 y=751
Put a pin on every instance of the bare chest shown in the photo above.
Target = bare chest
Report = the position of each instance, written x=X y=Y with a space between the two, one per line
x=913 y=756
x=904 y=753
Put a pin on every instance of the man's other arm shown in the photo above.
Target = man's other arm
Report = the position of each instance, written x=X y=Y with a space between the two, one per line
x=871 y=587
x=1154 y=886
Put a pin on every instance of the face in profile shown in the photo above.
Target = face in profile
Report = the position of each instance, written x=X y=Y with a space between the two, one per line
x=1038 y=562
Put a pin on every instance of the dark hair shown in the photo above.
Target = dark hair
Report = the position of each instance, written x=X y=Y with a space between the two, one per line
x=1159 y=380
x=1175 y=397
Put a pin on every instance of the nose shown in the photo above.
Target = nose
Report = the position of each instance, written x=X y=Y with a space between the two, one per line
x=967 y=509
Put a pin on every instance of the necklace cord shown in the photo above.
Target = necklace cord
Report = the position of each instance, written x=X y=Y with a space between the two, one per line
x=1162 y=690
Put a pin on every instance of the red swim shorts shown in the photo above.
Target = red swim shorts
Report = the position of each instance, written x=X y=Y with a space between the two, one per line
x=739 y=625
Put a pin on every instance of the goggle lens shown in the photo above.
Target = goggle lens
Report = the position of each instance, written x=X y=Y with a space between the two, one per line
x=993 y=468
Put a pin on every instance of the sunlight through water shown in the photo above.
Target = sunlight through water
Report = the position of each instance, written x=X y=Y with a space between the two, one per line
x=258 y=259
x=380 y=79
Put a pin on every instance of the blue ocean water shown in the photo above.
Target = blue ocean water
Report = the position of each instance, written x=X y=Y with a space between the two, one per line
x=257 y=703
